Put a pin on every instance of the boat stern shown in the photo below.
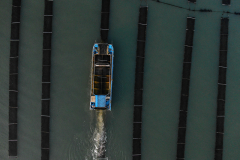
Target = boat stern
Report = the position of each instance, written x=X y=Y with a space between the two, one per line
x=100 y=102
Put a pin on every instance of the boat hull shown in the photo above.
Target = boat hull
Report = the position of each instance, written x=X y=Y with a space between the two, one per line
x=101 y=76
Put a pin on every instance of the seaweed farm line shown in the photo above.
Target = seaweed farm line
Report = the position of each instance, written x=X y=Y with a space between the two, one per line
x=45 y=81
x=99 y=135
x=13 y=80
x=138 y=89
x=185 y=87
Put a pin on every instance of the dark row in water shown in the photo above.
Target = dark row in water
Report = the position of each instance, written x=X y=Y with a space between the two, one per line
x=105 y=20
x=46 y=80
x=224 y=2
x=47 y=34
x=221 y=88
x=13 y=78
x=104 y=28
x=138 y=89
x=185 y=88
x=192 y=1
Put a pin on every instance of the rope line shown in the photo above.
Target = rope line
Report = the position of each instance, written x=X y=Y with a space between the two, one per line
x=195 y=10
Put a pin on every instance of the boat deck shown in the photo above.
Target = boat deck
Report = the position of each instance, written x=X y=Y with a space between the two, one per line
x=102 y=71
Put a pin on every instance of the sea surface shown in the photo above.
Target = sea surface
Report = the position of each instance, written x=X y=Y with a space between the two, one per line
x=73 y=128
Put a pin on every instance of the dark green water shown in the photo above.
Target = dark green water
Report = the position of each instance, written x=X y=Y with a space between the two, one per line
x=76 y=26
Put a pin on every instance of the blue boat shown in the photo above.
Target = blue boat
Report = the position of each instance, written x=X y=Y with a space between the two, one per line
x=102 y=76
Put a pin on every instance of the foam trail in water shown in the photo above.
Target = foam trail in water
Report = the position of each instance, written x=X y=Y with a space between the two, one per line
x=99 y=137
